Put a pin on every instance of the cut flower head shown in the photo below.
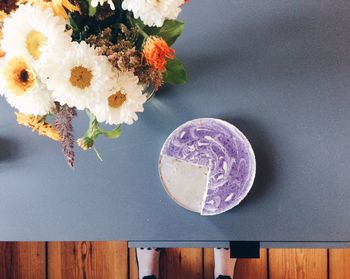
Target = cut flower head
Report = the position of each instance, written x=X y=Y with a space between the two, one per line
x=32 y=32
x=122 y=104
x=19 y=76
x=81 y=78
x=23 y=89
x=156 y=51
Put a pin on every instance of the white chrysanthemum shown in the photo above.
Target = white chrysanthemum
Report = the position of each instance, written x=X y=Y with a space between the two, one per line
x=31 y=32
x=94 y=3
x=123 y=103
x=153 y=12
x=80 y=78
x=22 y=88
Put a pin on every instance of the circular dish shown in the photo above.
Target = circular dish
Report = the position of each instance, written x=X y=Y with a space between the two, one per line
x=207 y=166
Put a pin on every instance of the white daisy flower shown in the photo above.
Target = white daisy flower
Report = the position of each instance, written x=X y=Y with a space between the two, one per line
x=31 y=31
x=80 y=78
x=123 y=103
x=94 y=3
x=153 y=12
x=22 y=88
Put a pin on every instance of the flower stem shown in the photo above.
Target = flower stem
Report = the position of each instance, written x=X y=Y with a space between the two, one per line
x=143 y=33
x=98 y=154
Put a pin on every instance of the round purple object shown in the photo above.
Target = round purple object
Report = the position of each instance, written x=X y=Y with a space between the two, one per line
x=225 y=151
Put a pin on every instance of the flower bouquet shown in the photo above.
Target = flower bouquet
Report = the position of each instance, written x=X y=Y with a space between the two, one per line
x=106 y=57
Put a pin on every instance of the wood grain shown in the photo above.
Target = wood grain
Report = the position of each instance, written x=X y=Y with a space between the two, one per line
x=107 y=260
x=298 y=263
x=181 y=263
x=133 y=271
x=87 y=260
x=208 y=262
x=252 y=268
x=245 y=268
x=22 y=260
x=339 y=263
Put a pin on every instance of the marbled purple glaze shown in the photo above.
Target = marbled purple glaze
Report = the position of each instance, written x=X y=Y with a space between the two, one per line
x=225 y=150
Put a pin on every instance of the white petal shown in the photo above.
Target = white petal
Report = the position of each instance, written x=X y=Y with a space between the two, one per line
x=128 y=84
x=154 y=12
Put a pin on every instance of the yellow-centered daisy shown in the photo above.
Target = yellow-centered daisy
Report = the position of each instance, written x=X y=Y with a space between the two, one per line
x=81 y=77
x=22 y=88
x=123 y=103
x=32 y=33
x=19 y=76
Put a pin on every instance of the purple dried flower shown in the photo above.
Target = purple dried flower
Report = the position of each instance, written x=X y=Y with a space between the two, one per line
x=63 y=123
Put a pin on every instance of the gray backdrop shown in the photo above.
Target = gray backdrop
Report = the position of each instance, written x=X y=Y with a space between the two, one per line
x=278 y=70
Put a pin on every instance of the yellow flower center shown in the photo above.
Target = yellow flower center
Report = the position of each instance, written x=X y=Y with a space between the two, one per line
x=116 y=100
x=19 y=76
x=35 y=40
x=80 y=77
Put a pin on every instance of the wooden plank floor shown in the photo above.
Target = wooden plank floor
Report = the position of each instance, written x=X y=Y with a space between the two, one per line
x=113 y=260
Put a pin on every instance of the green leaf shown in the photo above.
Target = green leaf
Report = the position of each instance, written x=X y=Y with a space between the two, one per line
x=171 y=30
x=94 y=129
x=113 y=134
x=92 y=10
x=73 y=24
x=151 y=30
x=175 y=72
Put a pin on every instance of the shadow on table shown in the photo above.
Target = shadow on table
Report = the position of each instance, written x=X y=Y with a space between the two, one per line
x=8 y=150
x=263 y=149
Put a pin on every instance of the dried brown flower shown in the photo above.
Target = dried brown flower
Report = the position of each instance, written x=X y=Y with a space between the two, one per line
x=8 y=6
x=124 y=55
x=38 y=124
x=103 y=12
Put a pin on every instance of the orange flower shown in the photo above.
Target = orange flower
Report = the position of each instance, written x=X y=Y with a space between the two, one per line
x=156 y=50
x=58 y=6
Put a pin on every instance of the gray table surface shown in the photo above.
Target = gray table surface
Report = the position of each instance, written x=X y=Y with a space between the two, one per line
x=277 y=69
